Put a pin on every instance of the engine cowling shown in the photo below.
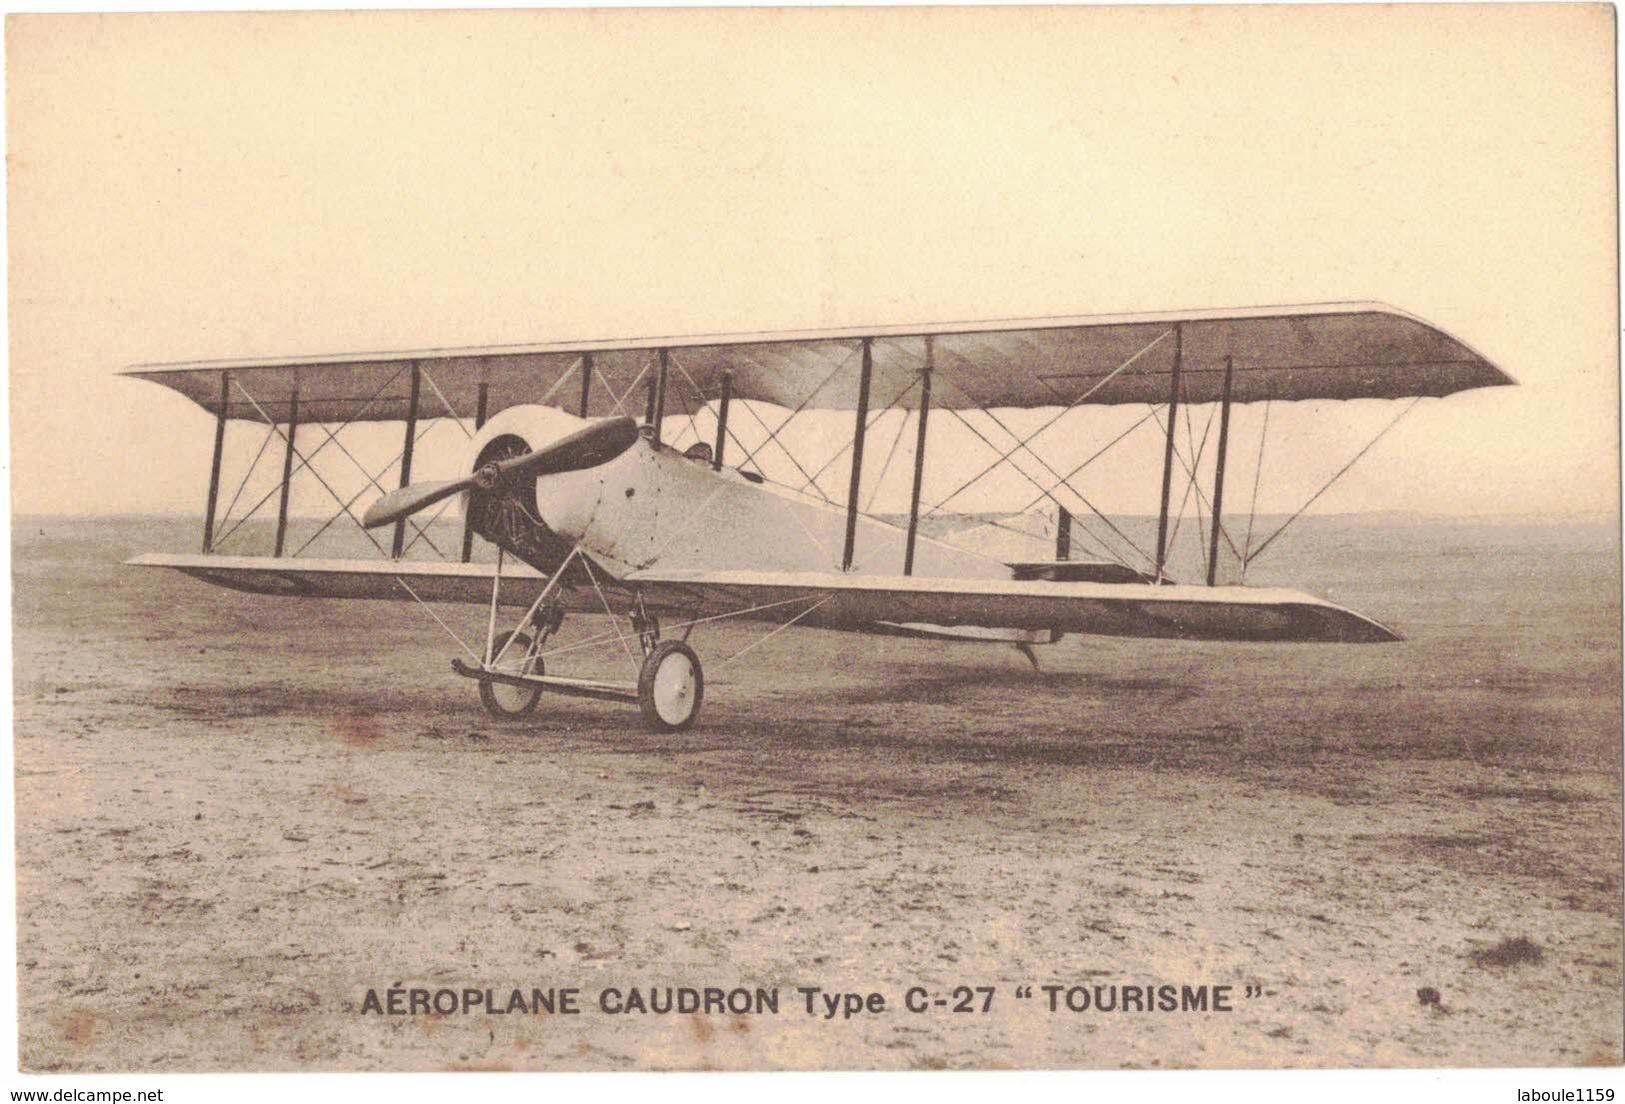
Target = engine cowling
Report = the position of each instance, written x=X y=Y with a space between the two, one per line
x=538 y=519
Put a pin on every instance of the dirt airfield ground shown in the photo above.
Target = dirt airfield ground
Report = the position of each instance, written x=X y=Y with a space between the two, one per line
x=236 y=815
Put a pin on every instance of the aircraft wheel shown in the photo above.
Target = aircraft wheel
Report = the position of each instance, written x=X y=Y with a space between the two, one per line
x=509 y=702
x=671 y=686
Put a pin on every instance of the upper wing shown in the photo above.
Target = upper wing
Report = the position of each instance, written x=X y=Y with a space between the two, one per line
x=1319 y=351
x=865 y=603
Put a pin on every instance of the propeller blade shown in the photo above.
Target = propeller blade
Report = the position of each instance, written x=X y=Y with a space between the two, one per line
x=409 y=500
x=588 y=447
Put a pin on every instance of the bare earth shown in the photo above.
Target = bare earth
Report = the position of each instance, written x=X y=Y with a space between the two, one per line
x=236 y=815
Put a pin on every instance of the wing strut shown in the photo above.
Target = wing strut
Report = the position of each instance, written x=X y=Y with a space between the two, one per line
x=722 y=420
x=479 y=421
x=1218 y=479
x=214 y=465
x=406 y=454
x=857 y=456
x=773 y=434
x=287 y=471
x=1024 y=444
x=1168 y=450
x=273 y=429
x=919 y=454
x=1252 y=509
x=658 y=399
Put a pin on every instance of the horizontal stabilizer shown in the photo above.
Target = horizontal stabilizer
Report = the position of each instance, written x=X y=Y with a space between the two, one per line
x=973 y=634
x=1081 y=571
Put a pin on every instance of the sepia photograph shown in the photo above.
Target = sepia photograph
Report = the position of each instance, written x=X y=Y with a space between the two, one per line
x=934 y=538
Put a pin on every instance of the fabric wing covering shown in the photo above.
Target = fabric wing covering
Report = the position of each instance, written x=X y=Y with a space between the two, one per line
x=867 y=603
x=1332 y=351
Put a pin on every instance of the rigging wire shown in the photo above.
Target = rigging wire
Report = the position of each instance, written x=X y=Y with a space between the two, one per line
x=734 y=437
x=885 y=466
x=773 y=435
x=1050 y=495
x=868 y=425
x=593 y=577
x=468 y=434
x=423 y=533
x=304 y=461
x=620 y=400
x=994 y=418
x=1113 y=374
x=602 y=639
x=1205 y=500
x=471 y=653
x=1328 y=484
x=764 y=639
x=252 y=464
x=774 y=438
x=373 y=479
x=1191 y=483
x=1202 y=533
x=1098 y=454
x=1252 y=509
x=693 y=428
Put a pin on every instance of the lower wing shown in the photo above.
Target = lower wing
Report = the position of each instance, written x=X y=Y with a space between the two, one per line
x=998 y=609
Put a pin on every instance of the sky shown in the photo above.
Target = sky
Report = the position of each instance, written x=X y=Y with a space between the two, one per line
x=188 y=187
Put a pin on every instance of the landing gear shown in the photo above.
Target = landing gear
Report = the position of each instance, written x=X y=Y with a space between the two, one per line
x=508 y=701
x=671 y=686
x=512 y=676
x=647 y=628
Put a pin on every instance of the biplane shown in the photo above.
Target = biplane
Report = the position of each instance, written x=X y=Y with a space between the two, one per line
x=569 y=473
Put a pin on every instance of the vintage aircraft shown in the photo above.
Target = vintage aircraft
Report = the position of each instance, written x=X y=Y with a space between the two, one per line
x=606 y=518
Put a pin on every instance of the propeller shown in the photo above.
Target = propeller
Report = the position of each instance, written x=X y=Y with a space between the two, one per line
x=589 y=447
